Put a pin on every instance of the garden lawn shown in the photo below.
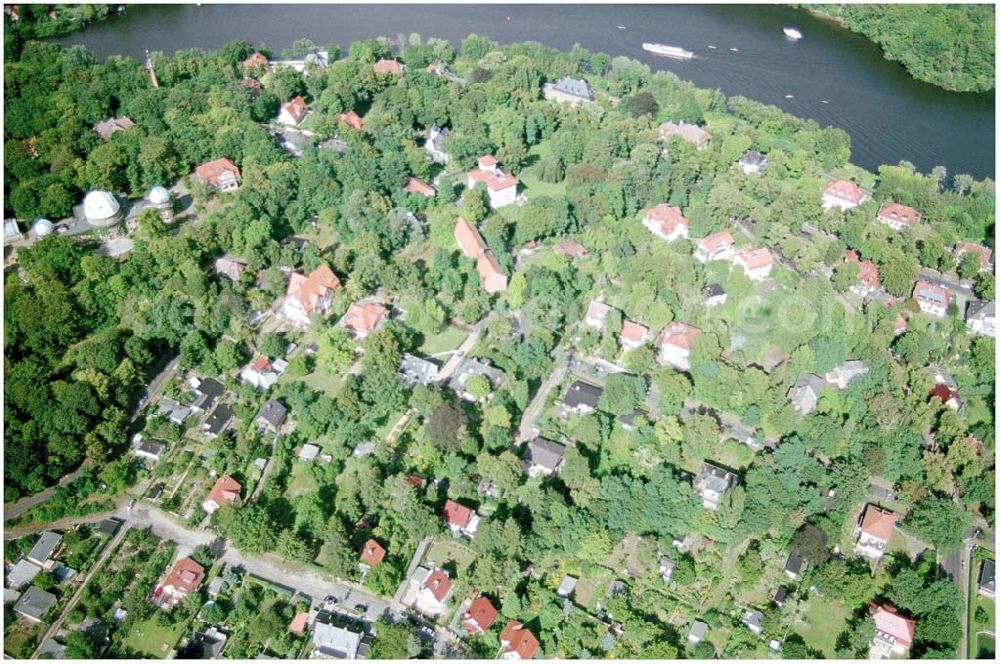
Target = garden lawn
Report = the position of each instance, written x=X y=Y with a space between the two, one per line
x=303 y=481
x=825 y=620
x=153 y=640
x=443 y=550
x=442 y=342
x=321 y=381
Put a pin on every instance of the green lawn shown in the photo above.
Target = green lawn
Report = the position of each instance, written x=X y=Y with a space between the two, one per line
x=443 y=550
x=825 y=620
x=319 y=381
x=592 y=586
x=532 y=186
x=303 y=481
x=449 y=339
x=153 y=640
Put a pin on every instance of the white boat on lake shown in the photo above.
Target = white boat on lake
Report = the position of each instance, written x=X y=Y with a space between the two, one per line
x=668 y=51
x=792 y=33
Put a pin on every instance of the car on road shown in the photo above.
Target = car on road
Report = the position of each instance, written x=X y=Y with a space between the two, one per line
x=131 y=504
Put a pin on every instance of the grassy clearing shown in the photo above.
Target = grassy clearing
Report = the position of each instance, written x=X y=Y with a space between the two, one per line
x=448 y=339
x=20 y=638
x=303 y=481
x=592 y=586
x=153 y=640
x=441 y=551
x=320 y=381
x=825 y=620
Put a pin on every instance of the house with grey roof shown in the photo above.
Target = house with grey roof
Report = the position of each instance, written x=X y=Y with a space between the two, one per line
x=569 y=90
x=173 y=411
x=667 y=567
x=582 y=397
x=35 y=603
x=754 y=620
x=794 y=566
x=336 y=642
x=309 y=452
x=804 y=394
x=986 y=581
x=743 y=434
x=473 y=367
x=206 y=392
x=415 y=371
x=715 y=295
x=22 y=573
x=52 y=649
x=271 y=415
x=150 y=449
x=698 y=632
x=542 y=458
x=842 y=375
x=711 y=484
x=43 y=549
x=981 y=319
x=752 y=162
x=218 y=422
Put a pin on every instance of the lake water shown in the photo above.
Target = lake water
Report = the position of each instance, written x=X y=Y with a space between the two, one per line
x=834 y=76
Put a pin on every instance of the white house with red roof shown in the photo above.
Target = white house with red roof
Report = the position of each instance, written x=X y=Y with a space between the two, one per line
x=460 y=519
x=756 y=263
x=492 y=276
x=715 y=247
x=372 y=554
x=183 y=578
x=843 y=194
x=932 y=300
x=258 y=59
x=226 y=490
x=386 y=66
x=418 y=186
x=632 y=335
x=293 y=112
x=517 y=641
x=428 y=591
x=666 y=221
x=868 y=275
x=352 y=120
x=262 y=373
x=363 y=319
x=893 y=632
x=675 y=343
x=874 y=530
x=501 y=188
x=897 y=217
x=479 y=616
x=309 y=295
x=220 y=174
x=985 y=254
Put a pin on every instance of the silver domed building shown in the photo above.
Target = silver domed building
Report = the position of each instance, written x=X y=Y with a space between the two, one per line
x=159 y=198
x=42 y=228
x=101 y=209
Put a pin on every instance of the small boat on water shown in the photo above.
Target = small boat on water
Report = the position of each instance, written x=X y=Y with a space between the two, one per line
x=711 y=47
x=792 y=33
x=734 y=49
x=621 y=27
x=789 y=96
x=668 y=51
x=823 y=101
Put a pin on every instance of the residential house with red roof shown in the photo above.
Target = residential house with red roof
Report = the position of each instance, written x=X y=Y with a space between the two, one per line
x=352 y=120
x=299 y=622
x=897 y=217
x=226 y=490
x=874 y=530
x=868 y=275
x=674 y=344
x=517 y=641
x=632 y=335
x=469 y=240
x=258 y=59
x=843 y=194
x=715 y=247
x=893 y=632
x=416 y=186
x=501 y=188
x=932 y=300
x=262 y=373
x=569 y=248
x=460 y=519
x=985 y=254
x=493 y=278
x=693 y=134
x=184 y=577
x=385 y=66
x=666 y=221
x=293 y=112
x=479 y=616
x=372 y=554
x=220 y=174
x=756 y=263
x=309 y=295
x=596 y=313
x=363 y=319
x=428 y=591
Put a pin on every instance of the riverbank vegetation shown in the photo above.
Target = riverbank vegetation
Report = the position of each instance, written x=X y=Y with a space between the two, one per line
x=952 y=46
x=39 y=21
x=623 y=496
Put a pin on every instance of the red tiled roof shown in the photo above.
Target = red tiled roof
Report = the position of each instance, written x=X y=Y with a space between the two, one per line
x=715 y=241
x=363 y=318
x=984 y=252
x=490 y=272
x=867 y=270
x=438 y=583
x=456 y=514
x=469 y=239
x=486 y=161
x=753 y=259
x=888 y=621
x=308 y=290
x=516 y=638
x=679 y=335
x=299 y=622
x=351 y=119
x=570 y=247
x=897 y=212
x=372 y=553
x=385 y=66
x=845 y=190
x=261 y=364
x=878 y=523
x=479 y=616
x=210 y=171
x=185 y=575
x=226 y=490
x=669 y=217
x=254 y=60
x=494 y=181
x=925 y=290
x=633 y=331
x=297 y=108
x=944 y=393
x=415 y=186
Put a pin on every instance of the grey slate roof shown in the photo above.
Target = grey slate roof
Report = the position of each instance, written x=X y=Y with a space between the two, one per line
x=35 y=603
x=471 y=367
x=208 y=391
x=573 y=86
x=805 y=393
x=753 y=158
x=981 y=310
x=582 y=394
x=272 y=412
x=754 y=619
x=545 y=453
x=152 y=448
x=794 y=564
x=52 y=649
x=698 y=630
x=711 y=477
x=714 y=290
x=23 y=573
x=987 y=576
x=44 y=547
x=415 y=370
x=220 y=418
x=173 y=411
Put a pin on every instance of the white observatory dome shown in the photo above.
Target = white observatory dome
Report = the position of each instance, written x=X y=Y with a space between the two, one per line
x=100 y=208
x=43 y=227
x=158 y=196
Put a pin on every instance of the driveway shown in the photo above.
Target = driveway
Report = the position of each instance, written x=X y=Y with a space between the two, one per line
x=527 y=430
x=452 y=364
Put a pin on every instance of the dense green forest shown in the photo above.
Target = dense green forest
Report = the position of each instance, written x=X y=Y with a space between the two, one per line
x=84 y=332
x=951 y=46
x=38 y=21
